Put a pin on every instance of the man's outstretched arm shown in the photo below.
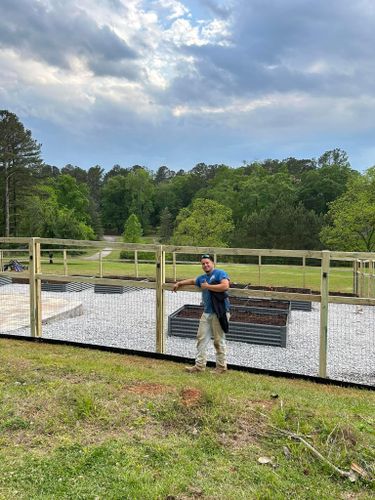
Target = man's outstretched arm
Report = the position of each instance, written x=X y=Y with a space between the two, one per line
x=177 y=285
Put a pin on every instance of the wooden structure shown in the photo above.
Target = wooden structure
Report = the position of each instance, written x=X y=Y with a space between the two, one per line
x=363 y=276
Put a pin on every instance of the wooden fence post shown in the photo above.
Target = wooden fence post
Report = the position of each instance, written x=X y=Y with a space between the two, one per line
x=259 y=266
x=136 y=263
x=369 y=279
x=174 y=266
x=1 y=261
x=160 y=306
x=303 y=272
x=100 y=265
x=35 y=288
x=324 y=292
x=65 y=263
x=355 y=277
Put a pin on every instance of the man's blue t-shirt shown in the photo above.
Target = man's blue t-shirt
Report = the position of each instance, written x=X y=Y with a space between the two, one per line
x=213 y=278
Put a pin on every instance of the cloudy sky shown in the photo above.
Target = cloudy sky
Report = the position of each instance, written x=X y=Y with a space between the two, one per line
x=177 y=82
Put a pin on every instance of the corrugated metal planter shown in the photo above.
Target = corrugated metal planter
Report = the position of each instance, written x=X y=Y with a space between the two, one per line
x=296 y=305
x=58 y=286
x=252 y=333
x=114 y=289
x=265 y=306
x=4 y=280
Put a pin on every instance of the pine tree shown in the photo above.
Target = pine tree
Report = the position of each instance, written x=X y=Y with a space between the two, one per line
x=19 y=155
x=166 y=226
x=132 y=230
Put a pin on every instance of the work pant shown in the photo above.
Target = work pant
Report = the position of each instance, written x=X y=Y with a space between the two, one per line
x=209 y=327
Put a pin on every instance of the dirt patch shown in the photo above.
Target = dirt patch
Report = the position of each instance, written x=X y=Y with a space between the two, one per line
x=250 y=426
x=149 y=389
x=191 y=397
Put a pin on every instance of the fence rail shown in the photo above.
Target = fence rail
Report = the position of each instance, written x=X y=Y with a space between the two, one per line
x=362 y=272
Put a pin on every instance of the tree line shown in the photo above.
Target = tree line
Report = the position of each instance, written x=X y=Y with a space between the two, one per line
x=290 y=203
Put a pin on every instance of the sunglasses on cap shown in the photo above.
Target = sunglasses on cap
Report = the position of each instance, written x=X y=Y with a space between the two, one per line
x=206 y=256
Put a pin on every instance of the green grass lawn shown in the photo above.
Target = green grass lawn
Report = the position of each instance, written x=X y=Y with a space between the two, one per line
x=81 y=424
x=341 y=278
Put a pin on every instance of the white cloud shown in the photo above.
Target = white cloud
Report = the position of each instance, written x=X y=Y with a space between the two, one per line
x=287 y=67
x=176 y=8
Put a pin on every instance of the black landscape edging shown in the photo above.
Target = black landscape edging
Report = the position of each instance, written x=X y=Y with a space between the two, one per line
x=181 y=359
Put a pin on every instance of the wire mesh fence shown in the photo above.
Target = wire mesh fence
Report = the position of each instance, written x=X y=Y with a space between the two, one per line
x=87 y=296
x=351 y=343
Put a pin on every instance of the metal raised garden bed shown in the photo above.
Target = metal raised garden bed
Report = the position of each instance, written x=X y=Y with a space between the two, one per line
x=4 y=280
x=59 y=286
x=114 y=289
x=269 y=306
x=249 y=332
x=296 y=305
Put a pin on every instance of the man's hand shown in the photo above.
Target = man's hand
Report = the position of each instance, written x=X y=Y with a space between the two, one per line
x=175 y=286
x=204 y=285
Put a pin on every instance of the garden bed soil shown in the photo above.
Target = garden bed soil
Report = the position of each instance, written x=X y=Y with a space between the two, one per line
x=239 y=316
x=337 y=294
x=20 y=281
x=285 y=289
x=265 y=303
x=300 y=305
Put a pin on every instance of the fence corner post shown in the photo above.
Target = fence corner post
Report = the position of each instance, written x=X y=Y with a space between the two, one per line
x=324 y=292
x=35 y=288
x=160 y=306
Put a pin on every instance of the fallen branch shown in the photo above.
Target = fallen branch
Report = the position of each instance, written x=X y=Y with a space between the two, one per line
x=351 y=474
x=343 y=473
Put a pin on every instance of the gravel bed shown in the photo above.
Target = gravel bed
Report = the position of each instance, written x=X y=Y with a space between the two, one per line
x=128 y=321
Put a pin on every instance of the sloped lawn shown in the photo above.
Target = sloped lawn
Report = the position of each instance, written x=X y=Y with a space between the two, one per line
x=82 y=424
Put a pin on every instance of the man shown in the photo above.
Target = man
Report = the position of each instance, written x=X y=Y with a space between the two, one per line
x=214 y=280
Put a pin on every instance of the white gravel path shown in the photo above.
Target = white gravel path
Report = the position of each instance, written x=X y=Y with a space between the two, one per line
x=128 y=321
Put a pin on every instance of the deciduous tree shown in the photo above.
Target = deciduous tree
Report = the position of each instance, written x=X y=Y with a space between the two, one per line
x=351 y=217
x=204 y=223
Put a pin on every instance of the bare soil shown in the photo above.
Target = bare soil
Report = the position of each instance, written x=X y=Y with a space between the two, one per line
x=270 y=304
x=191 y=397
x=149 y=389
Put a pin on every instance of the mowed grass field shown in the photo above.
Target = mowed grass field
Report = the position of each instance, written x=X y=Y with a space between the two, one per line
x=82 y=424
x=340 y=279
